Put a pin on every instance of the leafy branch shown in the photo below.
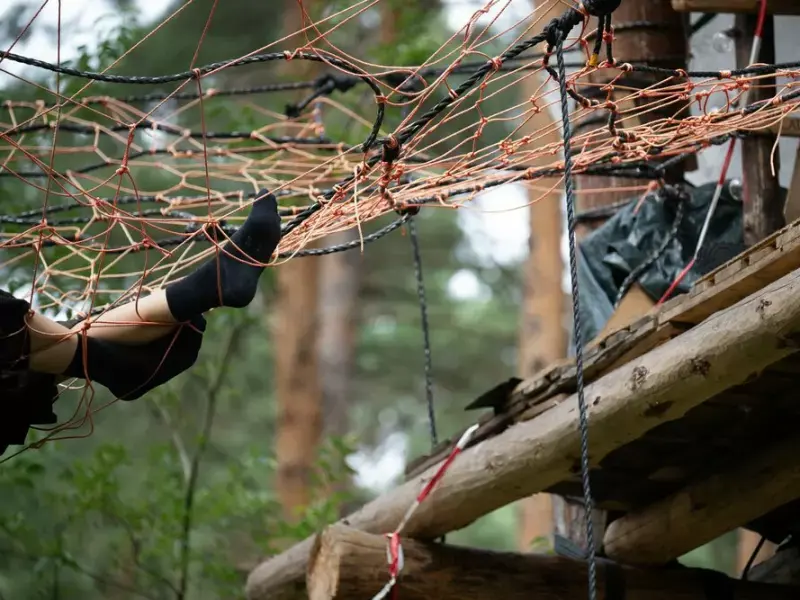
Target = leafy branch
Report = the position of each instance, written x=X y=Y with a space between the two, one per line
x=212 y=397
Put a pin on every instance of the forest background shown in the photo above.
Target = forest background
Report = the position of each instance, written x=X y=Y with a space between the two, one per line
x=179 y=494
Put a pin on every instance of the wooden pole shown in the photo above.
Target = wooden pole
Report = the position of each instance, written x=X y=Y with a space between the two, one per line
x=721 y=352
x=348 y=564
x=653 y=45
x=763 y=210
x=704 y=511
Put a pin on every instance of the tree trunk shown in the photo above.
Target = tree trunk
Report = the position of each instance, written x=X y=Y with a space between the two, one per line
x=722 y=352
x=350 y=564
x=543 y=336
x=299 y=397
x=340 y=282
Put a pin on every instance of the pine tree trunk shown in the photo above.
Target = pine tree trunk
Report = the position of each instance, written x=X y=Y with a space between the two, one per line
x=298 y=392
x=543 y=337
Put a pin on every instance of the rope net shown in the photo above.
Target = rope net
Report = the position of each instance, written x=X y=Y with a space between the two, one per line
x=122 y=197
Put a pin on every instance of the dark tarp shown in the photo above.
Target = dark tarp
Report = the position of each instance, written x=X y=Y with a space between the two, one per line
x=608 y=255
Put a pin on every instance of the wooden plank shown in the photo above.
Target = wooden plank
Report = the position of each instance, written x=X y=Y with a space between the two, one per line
x=707 y=509
x=760 y=265
x=775 y=7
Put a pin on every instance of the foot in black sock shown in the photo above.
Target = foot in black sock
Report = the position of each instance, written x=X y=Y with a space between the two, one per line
x=237 y=281
x=130 y=371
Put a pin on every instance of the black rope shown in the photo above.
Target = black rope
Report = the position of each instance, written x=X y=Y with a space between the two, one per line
x=752 y=559
x=558 y=36
x=426 y=335
x=204 y=70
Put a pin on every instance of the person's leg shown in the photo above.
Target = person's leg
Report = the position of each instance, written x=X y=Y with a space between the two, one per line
x=137 y=322
x=52 y=345
x=229 y=279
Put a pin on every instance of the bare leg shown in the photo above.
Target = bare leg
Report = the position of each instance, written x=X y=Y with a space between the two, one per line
x=52 y=345
x=136 y=322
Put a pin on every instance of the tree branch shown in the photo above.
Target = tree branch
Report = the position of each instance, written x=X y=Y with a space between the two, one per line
x=194 y=470
x=177 y=441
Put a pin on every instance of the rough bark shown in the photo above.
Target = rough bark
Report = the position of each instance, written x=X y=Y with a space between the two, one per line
x=702 y=512
x=723 y=351
x=340 y=280
x=299 y=420
x=350 y=564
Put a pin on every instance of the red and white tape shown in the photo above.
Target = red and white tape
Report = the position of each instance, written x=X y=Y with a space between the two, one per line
x=394 y=548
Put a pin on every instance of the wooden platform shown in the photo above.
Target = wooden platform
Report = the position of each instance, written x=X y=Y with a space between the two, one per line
x=710 y=437
x=692 y=389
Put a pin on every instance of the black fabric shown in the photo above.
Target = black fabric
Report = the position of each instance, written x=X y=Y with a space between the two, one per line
x=230 y=278
x=130 y=371
x=610 y=253
x=26 y=398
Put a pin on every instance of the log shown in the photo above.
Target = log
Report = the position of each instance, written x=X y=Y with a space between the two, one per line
x=705 y=510
x=350 y=564
x=775 y=7
x=662 y=385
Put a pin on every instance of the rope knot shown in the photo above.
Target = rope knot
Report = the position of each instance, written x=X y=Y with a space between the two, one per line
x=391 y=149
x=601 y=8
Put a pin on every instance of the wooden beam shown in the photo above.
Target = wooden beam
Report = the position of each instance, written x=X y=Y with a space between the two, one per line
x=705 y=510
x=350 y=564
x=763 y=209
x=775 y=7
x=722 y=352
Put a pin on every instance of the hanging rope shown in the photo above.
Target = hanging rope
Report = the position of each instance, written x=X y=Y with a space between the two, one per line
x=426 y=334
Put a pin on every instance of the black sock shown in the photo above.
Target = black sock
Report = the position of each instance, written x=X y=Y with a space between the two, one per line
x=130 y=371
x=255 y=241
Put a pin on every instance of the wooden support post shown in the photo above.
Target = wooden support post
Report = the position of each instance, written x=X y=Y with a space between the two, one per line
x=775 y=7
x=653 y=45
x=348 y=564
x=763 y=211
x=721 y=352
x=705 y=510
